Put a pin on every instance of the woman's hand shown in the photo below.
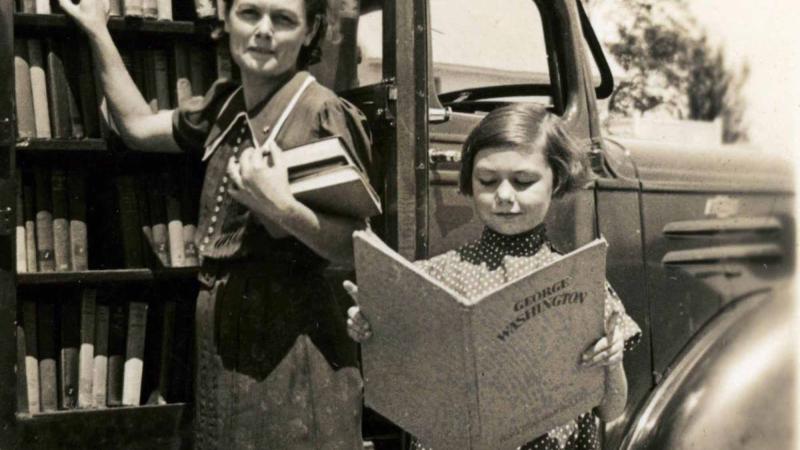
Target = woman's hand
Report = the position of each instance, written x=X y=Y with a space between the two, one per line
x=608 y=350
x=261 y=183
x=357 y=326
x=90 y=15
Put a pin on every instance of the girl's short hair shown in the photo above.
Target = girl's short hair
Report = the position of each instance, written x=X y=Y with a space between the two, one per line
x=523 y=125
x=315 y=10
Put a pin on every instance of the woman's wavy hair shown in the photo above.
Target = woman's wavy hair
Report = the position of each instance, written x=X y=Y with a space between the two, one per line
x=315 y=9
x=525 y=125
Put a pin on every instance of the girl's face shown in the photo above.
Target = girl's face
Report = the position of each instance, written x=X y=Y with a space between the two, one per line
x=266 y=35
x=511 y=188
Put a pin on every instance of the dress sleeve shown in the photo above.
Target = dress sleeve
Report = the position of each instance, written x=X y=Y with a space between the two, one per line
x=630 y=330
x=338 y=117
x=193 y=121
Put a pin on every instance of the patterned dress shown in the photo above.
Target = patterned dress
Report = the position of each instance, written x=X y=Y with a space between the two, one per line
x=495 y=259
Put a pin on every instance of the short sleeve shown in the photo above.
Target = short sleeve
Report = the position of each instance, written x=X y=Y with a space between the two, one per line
x=193 y=121
x=630 y=330
x=338 y=117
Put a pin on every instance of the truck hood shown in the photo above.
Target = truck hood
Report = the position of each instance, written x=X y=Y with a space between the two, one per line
x=727 y=167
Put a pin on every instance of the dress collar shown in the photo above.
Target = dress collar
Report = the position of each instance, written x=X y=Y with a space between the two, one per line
x=527 y=243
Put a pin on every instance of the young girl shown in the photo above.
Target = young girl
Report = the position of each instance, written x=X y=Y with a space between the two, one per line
x=275 y=368
x=517 y=159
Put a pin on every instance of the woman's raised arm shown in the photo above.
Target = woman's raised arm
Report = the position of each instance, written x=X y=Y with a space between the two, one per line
x=140 y=128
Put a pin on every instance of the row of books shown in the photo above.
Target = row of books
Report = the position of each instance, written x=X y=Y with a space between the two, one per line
x=143 y=221
x=57 y=96
x=88 y=350
x=144 y=9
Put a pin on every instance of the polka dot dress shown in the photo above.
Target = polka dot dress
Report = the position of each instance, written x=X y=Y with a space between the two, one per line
x=495 y=259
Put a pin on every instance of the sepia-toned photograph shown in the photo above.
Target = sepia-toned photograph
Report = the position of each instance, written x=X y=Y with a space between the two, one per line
x=399 y=224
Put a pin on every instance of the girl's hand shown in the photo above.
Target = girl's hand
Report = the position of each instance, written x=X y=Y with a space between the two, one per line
x=357 y=326
x=608 y=350
x=90 y=15
x=261 y=183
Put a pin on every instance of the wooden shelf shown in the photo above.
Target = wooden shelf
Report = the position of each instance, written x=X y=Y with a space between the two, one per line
x=48 y=22
x=59 y=145
x=149 y=426
x=105 y=276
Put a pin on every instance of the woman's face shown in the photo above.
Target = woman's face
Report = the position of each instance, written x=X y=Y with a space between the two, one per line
x=511 y=188
x=266 y=35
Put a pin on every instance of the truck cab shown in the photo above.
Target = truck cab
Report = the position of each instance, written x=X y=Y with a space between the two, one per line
x=691 y=230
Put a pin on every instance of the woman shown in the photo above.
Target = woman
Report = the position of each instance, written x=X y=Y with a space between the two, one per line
x=274 y=365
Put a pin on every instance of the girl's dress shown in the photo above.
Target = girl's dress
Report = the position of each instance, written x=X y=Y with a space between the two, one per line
x=495 y=259
x=275 y=367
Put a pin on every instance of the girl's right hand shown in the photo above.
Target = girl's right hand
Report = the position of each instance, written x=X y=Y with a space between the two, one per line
x=90 y=15
x=357 y=325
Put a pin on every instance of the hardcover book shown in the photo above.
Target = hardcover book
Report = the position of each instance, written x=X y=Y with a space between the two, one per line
x=324 y=176
x=494 y=372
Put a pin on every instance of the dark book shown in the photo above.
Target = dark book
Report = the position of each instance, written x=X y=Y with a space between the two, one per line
x=198 y=65
x=134 y=354
x=159 y=351
x=57 y=92
x=190 y=193
x=87 y=92
x=158 y=221
x=29 y=215
x=78 y=233
x=27 y=6
x=86 y=351
x=21 y=374
x=71 y=59
x=181 y=73
x=161 y=78
x=47 y=345
x=70 y=320
x=146 y=59
x=23 y=96
x=100 y=360
x=19 y=237
x=30 y=362
x=44 y=220
x=172 y=208
x=117 y=329
x=324 y=176
x=148 y=248
x=61 y=244
x=41 y=104
x=223 y=60
x=129 y=223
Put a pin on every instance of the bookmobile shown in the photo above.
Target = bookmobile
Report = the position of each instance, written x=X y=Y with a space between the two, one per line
x=698 y=238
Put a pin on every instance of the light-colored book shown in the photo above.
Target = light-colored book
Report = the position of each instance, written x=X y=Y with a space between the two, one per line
x=323 y=175
x=486 y=373
x=134 y=354
x=86 y=351
x=100 y=363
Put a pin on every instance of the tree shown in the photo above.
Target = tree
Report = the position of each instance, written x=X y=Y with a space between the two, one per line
x=672 y=68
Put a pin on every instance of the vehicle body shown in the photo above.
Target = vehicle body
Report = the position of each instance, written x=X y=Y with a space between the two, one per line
x=691 y=231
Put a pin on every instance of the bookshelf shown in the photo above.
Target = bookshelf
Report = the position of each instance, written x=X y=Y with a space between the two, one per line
x=117 y=272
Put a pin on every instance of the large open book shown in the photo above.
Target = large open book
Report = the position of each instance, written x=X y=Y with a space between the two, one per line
x=324 y=176
x=491 y=373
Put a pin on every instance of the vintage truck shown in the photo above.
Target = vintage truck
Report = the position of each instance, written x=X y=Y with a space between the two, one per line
x=699 y=238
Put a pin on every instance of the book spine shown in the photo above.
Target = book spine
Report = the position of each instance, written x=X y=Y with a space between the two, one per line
x=158 y=221
x=57 y=94
x=19 y=238
x=148 y=247
x=28 y=6
x=161 y=78
x=70 y=59
x=150 y=9
x=78 y=233
x=44 y=221
x=223 y=57
x=31 y=355
x=23 y=96
x=197 y=72
x=180 y=66
x=100 y=360
x=88 y=93
x=86 y=355
x=46 y=338
x=146 y=59
x=21 y=374
x=134 y=354
x=116 y=354
x=70 y=316
x=61 y=244
x=115 y=7
x=174 y=224
x=165 y=351
x=43 y=7
x=132 y=8
x=129 y=221
x=164 y=9
x=41 y=106
x=205 y=9
x=29 y=213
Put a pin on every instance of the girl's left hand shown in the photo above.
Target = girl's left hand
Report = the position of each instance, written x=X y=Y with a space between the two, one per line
x=608 y=350
x=261 y=182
